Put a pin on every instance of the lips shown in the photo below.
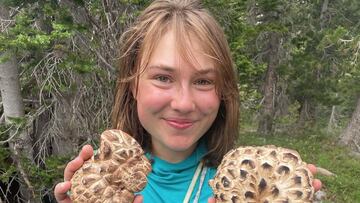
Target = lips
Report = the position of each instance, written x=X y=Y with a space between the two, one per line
x=179 y=123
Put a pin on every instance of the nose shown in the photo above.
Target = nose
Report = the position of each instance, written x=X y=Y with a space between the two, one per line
x=183 y=100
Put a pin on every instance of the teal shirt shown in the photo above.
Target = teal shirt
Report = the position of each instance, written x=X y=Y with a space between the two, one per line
x=169 y=182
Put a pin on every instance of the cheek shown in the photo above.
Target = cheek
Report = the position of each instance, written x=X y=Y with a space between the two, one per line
x=149 y=100
x=209 y=103
x=148 y=105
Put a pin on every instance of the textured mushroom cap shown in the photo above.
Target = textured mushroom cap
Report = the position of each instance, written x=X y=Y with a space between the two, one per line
x=114 y=174
x=266 y=174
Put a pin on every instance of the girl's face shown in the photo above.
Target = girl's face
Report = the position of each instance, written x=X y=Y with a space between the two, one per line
x=176 y=102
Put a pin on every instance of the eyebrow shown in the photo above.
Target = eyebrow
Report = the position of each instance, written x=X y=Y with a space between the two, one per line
x=163 y=67
x=173 y=69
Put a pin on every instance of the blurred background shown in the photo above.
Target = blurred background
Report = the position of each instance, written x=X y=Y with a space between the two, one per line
x=297 y=63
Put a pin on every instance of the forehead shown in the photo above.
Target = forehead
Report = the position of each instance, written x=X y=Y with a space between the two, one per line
x=176 y=51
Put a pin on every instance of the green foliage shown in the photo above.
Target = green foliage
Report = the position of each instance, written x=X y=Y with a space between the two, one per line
x=79 y=64
x=24 y=36
x=5 y=57
x=52 y=172
x=320 y=149
x=136 y=2
x=5 y=166
x=79 y=2
x=6 y=174
x=16 y=121
x=332 y=37
x=17 y=2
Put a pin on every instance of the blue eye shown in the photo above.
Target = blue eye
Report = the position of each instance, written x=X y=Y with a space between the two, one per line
x=163 y=78
x=204 y=82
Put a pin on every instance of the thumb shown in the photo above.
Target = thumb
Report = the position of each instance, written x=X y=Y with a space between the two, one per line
x=138 y=199
x=211 y=200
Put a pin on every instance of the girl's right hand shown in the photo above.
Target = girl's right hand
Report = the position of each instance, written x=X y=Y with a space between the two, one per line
x=61 y=188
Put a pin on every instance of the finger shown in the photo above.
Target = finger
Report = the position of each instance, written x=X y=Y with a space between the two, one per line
x=72 y=167
x=86 y=152
x=312 y=168
x=211 y=200
x=60 y=192
x=317 y=184
x=138 y=199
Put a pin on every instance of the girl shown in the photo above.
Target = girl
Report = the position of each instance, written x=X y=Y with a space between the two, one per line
x=177 y=96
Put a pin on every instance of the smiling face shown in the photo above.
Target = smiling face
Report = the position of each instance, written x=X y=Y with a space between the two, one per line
x=176 y=100
x=156 y=102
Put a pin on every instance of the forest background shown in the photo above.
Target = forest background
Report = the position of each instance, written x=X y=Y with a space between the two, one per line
x=297 y=62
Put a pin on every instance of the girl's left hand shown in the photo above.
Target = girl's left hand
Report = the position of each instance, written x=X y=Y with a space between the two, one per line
x=316 y=182
x=211 y=200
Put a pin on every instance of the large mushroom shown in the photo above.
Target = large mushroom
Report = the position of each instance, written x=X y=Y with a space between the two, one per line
x=114 y=174
x=265 y=174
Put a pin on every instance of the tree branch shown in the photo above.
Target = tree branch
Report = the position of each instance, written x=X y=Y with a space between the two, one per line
x=324 y=172
x=11 y=137
x=110 y=67
x=17 y=10
x=92 y=21
x=346 y=40
x=356 y=145
x=324 y=9
x=2 y=119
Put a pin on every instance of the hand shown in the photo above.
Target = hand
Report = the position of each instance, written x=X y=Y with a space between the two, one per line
x=316 y=183
x=61 y=188
x=211 y=200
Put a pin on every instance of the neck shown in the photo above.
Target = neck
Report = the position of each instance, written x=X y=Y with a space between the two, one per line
x=172 y=156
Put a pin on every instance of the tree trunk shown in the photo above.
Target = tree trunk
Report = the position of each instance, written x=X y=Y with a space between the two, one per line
x=10 y=89
x=65 y=124
x=323 y=15
x=19 y=142
x=332 y=124
x=306 y=113
x=268 y=107
x=351 y=135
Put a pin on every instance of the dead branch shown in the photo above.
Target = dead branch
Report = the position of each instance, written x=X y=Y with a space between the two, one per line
x=356 y=145
x=4 y=24
x=91 y=19
x=324 y=172
x=2 y=118
x=7 y=190
x=354 y=154
x=355 y=58
x=110 y=67
x=17 y=10
x=11 y=137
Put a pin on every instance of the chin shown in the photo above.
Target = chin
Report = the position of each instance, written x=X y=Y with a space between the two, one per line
x=183 y=146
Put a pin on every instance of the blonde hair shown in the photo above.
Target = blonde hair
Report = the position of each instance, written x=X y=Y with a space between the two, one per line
x=185 y=18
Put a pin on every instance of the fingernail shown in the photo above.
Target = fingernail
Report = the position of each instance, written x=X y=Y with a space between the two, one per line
x=68 y=193
x=61 y=185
